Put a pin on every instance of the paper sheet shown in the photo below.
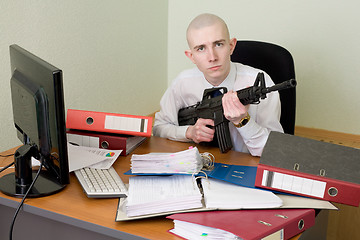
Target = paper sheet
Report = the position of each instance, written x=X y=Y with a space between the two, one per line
x=224 y=195
x=80 y=157
x=291 y=201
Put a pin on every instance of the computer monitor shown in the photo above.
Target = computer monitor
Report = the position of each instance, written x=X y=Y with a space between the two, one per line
x=39 y=118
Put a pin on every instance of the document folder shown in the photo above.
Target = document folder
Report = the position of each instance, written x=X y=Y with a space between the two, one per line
x=109 y=122
x=310 y=168
x=236 y=174
x=245 y=224
x=151 y=196
x=127 y=143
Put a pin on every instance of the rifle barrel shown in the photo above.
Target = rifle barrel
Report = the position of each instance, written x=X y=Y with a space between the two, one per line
x=284 y=85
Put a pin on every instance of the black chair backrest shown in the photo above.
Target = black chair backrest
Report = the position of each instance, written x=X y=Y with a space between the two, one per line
x=279 y=64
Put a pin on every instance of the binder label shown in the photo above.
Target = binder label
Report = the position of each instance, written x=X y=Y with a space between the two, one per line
x=292 y=183
x=83 y=140
x=125 y=123
x=279 y=235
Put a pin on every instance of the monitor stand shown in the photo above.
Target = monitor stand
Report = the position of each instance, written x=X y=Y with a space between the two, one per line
x=16 y=184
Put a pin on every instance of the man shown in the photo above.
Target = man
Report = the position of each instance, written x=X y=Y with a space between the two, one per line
x=210 y=50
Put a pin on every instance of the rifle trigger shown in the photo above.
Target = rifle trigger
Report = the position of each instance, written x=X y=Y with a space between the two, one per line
x=209 y=126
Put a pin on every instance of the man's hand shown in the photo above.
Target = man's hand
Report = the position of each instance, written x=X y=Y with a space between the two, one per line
x=200 y=132
x=234 y=110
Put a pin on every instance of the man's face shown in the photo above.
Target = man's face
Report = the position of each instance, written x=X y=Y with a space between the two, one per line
x=210 y=50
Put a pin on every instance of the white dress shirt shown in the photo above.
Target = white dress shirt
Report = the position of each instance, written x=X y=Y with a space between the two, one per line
x=187 y=89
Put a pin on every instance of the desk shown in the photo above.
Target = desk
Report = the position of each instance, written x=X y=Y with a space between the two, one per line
x=71 y=215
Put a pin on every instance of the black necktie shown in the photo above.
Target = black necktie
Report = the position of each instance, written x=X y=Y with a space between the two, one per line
x=216 y=93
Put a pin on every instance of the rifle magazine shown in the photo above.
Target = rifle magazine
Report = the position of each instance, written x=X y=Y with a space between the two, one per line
x=223 y=136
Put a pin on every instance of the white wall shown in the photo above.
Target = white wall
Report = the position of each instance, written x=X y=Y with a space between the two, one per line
x=323 y=37
x=100 y=45
x=113 y=53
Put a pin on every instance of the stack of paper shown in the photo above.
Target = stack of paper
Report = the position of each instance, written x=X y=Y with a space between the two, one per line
x=194 y=231
x=187 y=162
x=163 y=194
x=156 y=194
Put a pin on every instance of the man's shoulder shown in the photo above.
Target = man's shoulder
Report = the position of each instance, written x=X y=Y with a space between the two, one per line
x=250 y=73
x=246 y=69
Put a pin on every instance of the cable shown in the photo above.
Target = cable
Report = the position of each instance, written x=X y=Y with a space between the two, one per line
x=23 y=200
x=9 y=155
x=6 y=167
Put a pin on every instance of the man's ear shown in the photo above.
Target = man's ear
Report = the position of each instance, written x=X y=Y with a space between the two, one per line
x=189 y=54
x=233 y=42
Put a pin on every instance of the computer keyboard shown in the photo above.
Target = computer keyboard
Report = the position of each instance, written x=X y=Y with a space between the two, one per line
x=101 y=183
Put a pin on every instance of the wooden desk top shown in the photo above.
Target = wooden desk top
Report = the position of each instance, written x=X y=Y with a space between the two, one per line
x=73 y=206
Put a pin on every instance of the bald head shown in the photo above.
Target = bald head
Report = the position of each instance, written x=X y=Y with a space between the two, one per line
x=210 y=47
x=206 y=20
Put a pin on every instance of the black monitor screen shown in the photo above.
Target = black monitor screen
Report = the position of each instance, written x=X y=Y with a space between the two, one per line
x=39 y=116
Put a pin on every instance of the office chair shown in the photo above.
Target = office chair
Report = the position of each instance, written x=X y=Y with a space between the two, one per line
x=278 y=63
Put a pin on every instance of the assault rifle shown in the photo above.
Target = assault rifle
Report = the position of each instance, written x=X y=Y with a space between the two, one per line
x=211 y=107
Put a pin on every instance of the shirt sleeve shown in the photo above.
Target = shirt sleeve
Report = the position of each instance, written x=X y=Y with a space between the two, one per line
x=264 y=118
x=166 y=123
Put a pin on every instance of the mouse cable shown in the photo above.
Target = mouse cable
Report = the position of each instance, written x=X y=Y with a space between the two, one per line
x=6 y=167
x=9 y=155
x=23 y=199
